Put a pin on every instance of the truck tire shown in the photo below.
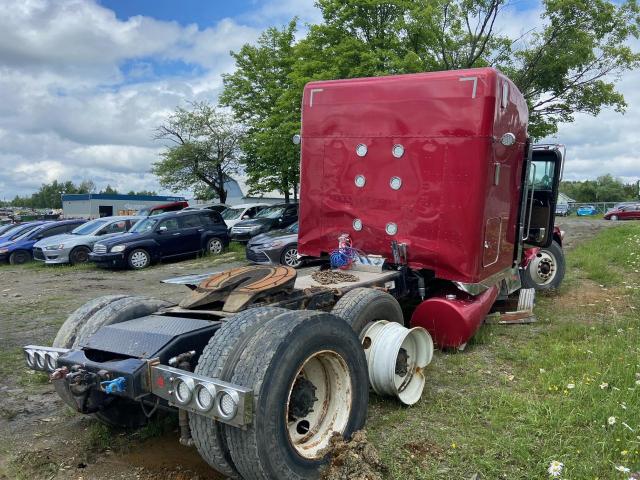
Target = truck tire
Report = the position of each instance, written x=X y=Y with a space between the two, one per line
x=546 y=270
x=218 y=360
x=361 y=306
x=19 y=257
x=118 y=311
x=121 y=412
x=290 y=360
x=66 y=336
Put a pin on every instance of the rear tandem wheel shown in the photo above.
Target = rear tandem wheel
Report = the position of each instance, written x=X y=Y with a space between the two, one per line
x=308 y=374
x=83 y=323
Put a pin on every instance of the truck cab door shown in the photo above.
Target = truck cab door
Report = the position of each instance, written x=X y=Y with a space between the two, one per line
x=544 y=170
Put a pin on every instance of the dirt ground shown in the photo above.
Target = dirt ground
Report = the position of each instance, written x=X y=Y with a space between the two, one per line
x=39 y=436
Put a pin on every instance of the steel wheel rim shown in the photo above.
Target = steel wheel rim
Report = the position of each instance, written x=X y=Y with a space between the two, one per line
x=544 y=267
x=215 y=246
x=139 y=259
x=291 y=258
x=309 y=434
x=80 y=256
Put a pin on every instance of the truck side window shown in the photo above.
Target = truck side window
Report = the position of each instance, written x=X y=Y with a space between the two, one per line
x=541 y=175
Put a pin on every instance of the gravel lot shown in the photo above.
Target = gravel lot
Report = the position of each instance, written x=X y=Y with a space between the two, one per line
x=40 y=437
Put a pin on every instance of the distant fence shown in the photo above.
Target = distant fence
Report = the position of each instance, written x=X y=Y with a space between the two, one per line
x=601 y=207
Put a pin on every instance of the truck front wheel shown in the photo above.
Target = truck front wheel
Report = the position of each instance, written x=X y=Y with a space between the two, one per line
x=308 y=374
x=546 y=270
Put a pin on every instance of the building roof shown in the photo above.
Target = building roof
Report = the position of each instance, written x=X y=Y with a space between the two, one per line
x=74 y=197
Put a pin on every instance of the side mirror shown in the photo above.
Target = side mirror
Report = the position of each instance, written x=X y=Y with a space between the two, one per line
x=162 y=229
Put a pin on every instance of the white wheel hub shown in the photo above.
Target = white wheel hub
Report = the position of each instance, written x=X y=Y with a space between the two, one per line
x=543 y=267
x=139 y=259
x=319 y=403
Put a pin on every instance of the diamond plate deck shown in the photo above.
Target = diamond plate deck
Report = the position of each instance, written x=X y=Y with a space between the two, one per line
x=145 y=336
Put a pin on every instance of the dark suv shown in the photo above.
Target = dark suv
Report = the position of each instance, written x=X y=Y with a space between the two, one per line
x=274 y=217
x=163 y=236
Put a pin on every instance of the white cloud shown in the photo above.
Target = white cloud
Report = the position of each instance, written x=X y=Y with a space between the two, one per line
x=81 y=93
x=81 y=97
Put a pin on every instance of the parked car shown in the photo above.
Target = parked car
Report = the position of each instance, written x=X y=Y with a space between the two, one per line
x=237 y=213
x=18 y=230
x=216 y=207
x=277 y=246
x=272 y=218
x=76 y=246
x=164 y=208
x=6 y=227
x=163 y=236
x=586 y=210
x=18 y=251
x=562 y=209
x=624 y=212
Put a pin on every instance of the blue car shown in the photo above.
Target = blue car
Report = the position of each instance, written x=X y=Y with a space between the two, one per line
x=16 y=231
x=16 y=249
x=586 y=210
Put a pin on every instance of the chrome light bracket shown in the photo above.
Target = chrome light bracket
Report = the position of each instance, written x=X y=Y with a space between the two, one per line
x=165 y=378
x=43 y=359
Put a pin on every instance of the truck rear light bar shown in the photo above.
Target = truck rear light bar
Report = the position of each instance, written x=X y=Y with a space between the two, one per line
x=210 y=397
x=43 y=359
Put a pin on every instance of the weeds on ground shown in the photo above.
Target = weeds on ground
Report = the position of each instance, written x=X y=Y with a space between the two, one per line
x=564 y=390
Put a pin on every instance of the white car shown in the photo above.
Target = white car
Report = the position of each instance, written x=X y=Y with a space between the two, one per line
x=237 y=213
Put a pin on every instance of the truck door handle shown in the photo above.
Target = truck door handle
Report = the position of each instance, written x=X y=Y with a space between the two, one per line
x=178 y=233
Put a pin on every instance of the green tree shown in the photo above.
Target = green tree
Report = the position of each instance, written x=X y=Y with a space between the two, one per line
x=569 y=65
x=109 y=190
x=263 y=96
x=202 y=150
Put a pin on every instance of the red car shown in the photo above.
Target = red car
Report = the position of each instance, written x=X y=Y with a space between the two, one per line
x=158 y=209
x=624 y=212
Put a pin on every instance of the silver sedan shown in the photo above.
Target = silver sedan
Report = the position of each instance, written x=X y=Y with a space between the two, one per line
x=75 y=247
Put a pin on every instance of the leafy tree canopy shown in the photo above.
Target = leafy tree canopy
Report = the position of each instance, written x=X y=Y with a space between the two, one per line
x=202 y=150
x=605 y=188
x=568 y=65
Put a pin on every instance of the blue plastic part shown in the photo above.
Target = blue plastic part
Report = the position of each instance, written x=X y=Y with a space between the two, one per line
x=117 y=385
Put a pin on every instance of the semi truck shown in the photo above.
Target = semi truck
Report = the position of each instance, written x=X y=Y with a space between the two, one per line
x=423 y=189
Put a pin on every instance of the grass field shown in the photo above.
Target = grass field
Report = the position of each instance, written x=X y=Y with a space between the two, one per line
x=565 y=389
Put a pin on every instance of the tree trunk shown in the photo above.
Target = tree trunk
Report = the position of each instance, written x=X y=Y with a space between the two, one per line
x=295 y=192
x=222 y=193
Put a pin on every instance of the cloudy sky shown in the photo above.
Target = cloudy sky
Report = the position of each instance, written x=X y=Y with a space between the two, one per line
x=83 y=84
